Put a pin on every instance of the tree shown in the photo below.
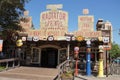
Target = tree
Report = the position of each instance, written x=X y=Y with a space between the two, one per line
x=10 y=11
x=115 y=51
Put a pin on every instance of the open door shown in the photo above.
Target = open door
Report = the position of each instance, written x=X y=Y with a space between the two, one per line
x=62 y=55
x=35 y=55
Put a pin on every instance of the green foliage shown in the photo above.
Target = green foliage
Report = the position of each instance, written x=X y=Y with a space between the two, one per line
x=115 y=51
x=2 y=68
x=10 y=11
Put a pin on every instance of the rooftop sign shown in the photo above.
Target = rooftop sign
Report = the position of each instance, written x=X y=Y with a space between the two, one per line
x=54 y=21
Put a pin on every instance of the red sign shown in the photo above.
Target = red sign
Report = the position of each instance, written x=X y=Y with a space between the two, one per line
x=1 y=45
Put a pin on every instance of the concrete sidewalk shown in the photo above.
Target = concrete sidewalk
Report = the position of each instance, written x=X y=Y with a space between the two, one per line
x=29 y=73
x=110 y=77
x=5 y=78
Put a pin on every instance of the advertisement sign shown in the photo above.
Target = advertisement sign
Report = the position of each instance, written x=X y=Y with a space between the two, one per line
x=35 y=38
x=87 y=34
x=79 y=38
x=29 y=38
x=1 y=45
x=86 y=23
x=54 y=22
x=106 y=39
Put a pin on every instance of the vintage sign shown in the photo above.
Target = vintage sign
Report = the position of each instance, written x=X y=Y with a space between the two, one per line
x=54 y=22
x=79 y=38
x=1 y=45
x=26 y=21
x=86 y=23
x=88 y=34
x=106 y=39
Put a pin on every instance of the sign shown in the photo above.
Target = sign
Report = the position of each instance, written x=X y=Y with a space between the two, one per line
x=19 y=42
x=1 y=45
x=106 y=39
x=87 y=34
x=54 y=22
x=107 y=47
x=68 y=38
x=35 y=38
x=50 y=38
x=79 y=38
x=23 y=38
x=76 y=48
x=88 y=42
x=29 y=38
x=86 y=23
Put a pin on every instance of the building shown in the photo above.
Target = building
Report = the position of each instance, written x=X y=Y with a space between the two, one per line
x=53 y=43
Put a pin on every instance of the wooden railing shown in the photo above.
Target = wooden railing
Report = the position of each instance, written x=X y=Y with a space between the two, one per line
x=62 y=67
x=7 y=63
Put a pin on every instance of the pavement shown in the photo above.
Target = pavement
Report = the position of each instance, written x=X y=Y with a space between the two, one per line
x=29 y=73
x=110 y=77
x=37 y=73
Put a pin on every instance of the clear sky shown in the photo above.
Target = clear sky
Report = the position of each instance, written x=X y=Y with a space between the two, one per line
x=101 y=9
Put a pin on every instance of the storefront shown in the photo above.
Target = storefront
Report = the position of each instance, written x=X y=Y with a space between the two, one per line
x=53 y=43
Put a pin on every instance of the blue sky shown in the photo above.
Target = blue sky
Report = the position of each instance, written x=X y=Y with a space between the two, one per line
x=105 y=9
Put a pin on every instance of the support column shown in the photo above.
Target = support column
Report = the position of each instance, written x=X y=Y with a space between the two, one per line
x=68 y=51
x=100 y=70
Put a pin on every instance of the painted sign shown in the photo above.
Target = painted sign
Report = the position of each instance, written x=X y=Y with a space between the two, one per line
x=26 y=21
x=54 y=22
x=86 y=23
x=88 y=34
x=1 y=45
x=79 y=38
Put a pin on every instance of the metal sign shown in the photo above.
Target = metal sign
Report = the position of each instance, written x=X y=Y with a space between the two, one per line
x=23 y=38
x=35 y=38
x=79 y=38
x=29 y=38
x=88 y=42
x=19 y=42
x=68 y=38
x=76 y=48
x=107 y=47
x=106 y=39
x=50 y=38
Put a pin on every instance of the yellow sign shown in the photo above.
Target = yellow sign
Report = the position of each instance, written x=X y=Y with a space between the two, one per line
x=19 y=43
x=79 y=38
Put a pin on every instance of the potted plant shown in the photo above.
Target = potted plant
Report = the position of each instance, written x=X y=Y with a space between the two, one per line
x=67 y=75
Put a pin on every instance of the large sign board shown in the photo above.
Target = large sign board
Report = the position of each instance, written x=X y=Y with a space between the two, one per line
x=86 y=23
x=54 y=22
x=88 y=34
x=26 y=21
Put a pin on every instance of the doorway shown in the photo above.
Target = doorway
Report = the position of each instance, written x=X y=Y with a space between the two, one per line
x=49 y=57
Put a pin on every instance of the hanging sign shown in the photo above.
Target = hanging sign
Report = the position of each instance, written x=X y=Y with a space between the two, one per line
x=19 y=42
x=76 y=48
x=50 y=38
x=106 y=39
x=35 y=38
x=79 y=38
